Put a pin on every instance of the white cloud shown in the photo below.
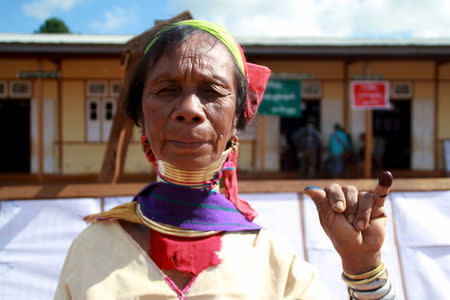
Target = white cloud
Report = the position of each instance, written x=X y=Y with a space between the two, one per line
x=320 y=18
x=114 y=20
x=43 y=9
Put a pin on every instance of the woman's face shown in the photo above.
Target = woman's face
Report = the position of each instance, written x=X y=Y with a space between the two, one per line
x=189 y=103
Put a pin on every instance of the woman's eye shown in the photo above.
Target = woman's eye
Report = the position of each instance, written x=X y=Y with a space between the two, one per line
x=167 y=91
x=211 y=92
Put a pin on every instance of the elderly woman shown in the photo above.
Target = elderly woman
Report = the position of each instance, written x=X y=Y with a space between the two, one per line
x=189 y=235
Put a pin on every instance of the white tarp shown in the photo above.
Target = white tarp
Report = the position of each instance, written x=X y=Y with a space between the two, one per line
x=34 y=238
x=35 y=235
x=423 y=226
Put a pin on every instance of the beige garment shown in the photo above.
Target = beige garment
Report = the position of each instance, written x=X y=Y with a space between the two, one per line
x=104 y=262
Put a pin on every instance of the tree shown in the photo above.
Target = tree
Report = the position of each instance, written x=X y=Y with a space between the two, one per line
x=53 y=25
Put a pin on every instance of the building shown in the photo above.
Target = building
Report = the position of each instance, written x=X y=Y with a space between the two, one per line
x=57 y=100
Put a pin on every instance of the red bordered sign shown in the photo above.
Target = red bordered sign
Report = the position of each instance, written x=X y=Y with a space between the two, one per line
x=369 y=94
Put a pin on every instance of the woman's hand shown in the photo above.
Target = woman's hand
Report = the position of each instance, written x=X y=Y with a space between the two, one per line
x=354 y=221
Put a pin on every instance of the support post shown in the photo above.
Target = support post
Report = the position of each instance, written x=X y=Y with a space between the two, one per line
x=369 y=145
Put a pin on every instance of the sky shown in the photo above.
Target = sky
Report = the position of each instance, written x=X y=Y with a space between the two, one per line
x=243 y=18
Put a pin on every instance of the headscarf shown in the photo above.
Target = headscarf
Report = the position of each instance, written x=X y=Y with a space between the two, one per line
x=257 y=77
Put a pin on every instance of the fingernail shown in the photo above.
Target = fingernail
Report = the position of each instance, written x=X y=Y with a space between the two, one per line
x=360 y=225
x=312 y=188
x=339 y=205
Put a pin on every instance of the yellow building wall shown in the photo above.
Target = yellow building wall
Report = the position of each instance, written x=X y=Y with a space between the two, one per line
x=83 y=158
x=423 y=90
x=357 y=68
x=73 y=111
x=10 y=67
x=87 y=158
x=394 y=70
x=246 y=152
x=332 y=90
x=444 y=71
x=136 y=162
x=332 y=69
x=90 y=69
x=50 y=89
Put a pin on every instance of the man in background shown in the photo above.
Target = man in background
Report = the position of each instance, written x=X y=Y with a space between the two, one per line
x=307 y=144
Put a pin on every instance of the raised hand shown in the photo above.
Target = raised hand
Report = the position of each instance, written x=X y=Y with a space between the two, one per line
x=354 y=221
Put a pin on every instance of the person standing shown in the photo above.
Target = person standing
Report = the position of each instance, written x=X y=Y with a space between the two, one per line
x=307 y=144
x=338 y=144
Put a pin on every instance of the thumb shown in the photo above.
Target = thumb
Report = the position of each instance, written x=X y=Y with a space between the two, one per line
x=317 y=194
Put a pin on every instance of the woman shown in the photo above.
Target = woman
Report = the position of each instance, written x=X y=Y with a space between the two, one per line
x=190 y=235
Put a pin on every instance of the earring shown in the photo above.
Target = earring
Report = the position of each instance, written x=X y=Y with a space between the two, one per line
x=147 y=149
x=234 y=143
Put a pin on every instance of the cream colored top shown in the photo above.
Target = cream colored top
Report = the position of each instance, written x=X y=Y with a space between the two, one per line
x=104 y=262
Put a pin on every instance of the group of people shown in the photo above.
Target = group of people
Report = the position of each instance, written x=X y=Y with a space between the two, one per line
x=343 y=154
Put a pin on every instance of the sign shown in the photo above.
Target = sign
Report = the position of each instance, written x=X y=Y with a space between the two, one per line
x=369 y=94
x=39 y=74
x=282 y=98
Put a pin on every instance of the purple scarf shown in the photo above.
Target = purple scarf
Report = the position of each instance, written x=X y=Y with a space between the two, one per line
x=191 y=209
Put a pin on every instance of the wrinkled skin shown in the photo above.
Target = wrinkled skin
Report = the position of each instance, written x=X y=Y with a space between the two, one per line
x=355 y=222
x=189 y=103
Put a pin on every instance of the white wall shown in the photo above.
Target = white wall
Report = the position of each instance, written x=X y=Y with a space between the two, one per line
x=50 y=129
x=422 y=133
x=331 y=112
x=50 y=154
x=271 y=144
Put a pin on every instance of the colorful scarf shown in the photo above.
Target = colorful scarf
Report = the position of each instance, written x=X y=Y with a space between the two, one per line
x=191 y=209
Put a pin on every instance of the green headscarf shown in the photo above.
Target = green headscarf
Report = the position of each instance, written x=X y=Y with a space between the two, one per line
x=214 y=29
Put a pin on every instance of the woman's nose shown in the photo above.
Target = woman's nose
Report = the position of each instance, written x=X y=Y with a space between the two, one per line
x=189 y=109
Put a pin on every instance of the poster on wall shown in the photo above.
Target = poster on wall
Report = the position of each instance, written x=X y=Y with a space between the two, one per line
x=282 y=98
x=369 y=94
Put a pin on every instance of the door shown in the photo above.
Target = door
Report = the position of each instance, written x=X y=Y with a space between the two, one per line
x=310 y=109
x=15 y=150
x=392 y=136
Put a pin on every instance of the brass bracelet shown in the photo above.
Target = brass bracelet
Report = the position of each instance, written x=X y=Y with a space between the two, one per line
x=348 y=281
x=364 y=275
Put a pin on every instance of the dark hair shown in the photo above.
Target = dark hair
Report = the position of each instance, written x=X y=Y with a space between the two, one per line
x=167 y=42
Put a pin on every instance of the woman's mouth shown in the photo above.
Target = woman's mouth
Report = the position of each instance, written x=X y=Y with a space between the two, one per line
x=187 y=145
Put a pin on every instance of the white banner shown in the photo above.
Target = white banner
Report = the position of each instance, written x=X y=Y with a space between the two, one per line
x=35 y=236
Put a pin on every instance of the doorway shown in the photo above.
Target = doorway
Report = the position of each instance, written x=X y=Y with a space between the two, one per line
x=15 y=134
x=288 y=154
x=392 y=136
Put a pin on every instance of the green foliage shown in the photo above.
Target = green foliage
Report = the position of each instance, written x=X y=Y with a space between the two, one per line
x=53 y=25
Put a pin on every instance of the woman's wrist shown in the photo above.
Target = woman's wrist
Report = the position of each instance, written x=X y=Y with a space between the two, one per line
x=361 y=264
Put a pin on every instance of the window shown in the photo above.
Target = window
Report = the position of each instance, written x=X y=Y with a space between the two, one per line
x=3 y=89
x=114 y=88
x=101 y=107
x=20 y=89
x=311 y=90
x=401 y=90
x=97 y=88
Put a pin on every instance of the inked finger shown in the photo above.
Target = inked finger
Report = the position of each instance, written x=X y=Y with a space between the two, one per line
x=318 y=196
x=336 y=197
x=365 y=203
x=351 y=197
x=382 y=189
